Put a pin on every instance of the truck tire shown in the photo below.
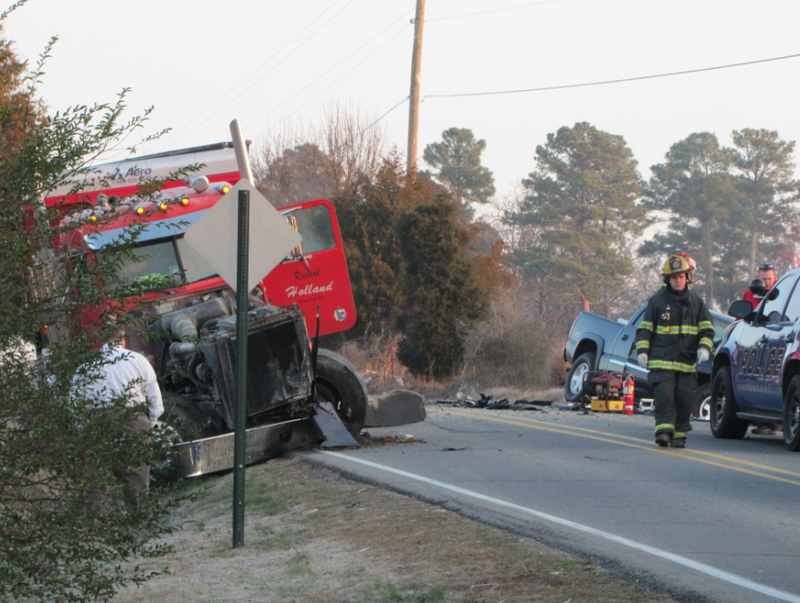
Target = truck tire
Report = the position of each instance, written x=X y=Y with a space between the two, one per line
x=340 y=383
x=791 y=415
x=186 y=423
x=183 y=416
x=573 y=388
x=724 y=423
x=701 y=407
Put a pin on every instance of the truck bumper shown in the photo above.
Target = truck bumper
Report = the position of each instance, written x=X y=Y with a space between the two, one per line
x=210 y=455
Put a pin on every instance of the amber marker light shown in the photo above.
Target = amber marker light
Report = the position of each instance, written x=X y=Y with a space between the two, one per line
x=184 y=200
x=140 y=210
x=224 y=189
x=93 y=218
x=163 y=206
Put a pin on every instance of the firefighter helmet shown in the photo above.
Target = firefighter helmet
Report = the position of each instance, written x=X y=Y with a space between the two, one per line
x=690 y=259
x=677 y=264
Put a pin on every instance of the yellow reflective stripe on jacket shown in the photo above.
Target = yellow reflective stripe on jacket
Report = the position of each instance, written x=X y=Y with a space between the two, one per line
x=677 y=330
x=705 y=324
x=646 y=325
x=643 y=345
x=707 y=342
x=671 y=365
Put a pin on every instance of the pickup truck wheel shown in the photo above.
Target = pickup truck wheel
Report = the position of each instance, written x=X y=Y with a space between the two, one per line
x=701 y=408
x=340 y=383
x=724 y=423
x=573 y=388
x=791 y=415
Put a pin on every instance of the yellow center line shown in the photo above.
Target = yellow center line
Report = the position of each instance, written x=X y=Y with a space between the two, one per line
x=594 y=434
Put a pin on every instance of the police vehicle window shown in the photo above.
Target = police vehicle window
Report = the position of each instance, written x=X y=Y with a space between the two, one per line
x=776 y=305
x=314 y=225
x=792 y=312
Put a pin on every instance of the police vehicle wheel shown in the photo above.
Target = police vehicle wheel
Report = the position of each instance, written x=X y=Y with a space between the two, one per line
x=724 y=423
x=573 y=388
x=340 y=383
x=791 y=415
x=701 y=408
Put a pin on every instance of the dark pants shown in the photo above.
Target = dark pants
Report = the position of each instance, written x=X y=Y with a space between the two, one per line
x=135 y=480
x=674 y=394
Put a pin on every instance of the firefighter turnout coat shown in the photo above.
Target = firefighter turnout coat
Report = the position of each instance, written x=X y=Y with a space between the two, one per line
x=673 y=328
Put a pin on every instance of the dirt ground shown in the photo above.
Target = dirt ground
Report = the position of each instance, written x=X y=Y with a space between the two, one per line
x=313 y=536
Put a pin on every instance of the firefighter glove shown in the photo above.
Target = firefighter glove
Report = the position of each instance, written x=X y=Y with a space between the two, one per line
x=702 y=355
x=643 y=360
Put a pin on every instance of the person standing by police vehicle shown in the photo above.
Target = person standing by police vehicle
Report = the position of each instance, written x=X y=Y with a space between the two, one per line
x=675 y=334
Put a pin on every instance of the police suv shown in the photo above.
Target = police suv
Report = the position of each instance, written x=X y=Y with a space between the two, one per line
x=756 y=373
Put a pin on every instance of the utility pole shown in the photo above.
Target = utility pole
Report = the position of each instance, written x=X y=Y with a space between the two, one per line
x=413 y=105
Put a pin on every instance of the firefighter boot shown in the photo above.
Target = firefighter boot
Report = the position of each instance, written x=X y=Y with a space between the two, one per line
x=678 y=443
x=663 y=439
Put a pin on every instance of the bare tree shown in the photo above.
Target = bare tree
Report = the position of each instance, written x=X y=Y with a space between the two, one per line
x=301 y=161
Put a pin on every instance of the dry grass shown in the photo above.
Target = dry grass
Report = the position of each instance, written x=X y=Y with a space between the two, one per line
x=313 y=536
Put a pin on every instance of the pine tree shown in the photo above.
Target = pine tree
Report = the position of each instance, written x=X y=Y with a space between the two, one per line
x=580 y=207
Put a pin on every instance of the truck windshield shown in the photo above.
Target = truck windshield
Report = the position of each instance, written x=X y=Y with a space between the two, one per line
x=165 y=257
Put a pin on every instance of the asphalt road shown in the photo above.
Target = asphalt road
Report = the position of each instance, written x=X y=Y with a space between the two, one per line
x=716 y=521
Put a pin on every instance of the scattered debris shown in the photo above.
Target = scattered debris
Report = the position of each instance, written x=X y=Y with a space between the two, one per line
x=396 y=407
x=449 y=449
x=490 y=403
x=402 y=438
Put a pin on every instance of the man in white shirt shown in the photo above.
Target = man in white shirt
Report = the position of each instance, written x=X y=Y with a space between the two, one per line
x=125 y=372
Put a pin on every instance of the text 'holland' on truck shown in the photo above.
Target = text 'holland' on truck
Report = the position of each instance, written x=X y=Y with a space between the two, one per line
x=191 y=337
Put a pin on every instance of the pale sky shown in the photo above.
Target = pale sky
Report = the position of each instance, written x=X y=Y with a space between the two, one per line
x=202 y=64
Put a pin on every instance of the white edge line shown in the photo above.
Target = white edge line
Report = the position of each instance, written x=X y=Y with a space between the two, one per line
x=695 y=565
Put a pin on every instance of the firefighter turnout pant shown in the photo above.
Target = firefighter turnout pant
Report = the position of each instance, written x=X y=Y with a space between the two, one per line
x=674 y=394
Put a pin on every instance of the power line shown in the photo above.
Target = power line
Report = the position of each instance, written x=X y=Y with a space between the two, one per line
x=231 y=89
x=629 y=79
x=344 y=75
x=494 y=10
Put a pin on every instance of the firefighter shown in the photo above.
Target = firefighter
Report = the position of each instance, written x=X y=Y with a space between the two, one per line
x=675 y=334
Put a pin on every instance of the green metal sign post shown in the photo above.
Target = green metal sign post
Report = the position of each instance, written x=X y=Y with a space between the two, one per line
x=240 y=434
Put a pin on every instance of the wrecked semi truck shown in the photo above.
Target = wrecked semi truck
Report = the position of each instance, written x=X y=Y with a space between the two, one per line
x=189 y=332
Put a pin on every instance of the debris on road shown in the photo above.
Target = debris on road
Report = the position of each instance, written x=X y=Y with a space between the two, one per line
x=396 y=407
x=402 y=438
x=490 y=403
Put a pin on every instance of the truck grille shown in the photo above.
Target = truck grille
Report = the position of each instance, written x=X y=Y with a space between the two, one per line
x=277 y=362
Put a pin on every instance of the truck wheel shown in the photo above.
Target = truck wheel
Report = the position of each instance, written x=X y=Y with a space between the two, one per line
x=724 y=423
x=791 y=415
x=701 y=408
x=573 y=388
x=340 y=383
x=183 y=417
x=182 y=422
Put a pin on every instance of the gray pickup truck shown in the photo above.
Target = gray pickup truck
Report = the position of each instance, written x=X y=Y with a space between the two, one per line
x=600 y=344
